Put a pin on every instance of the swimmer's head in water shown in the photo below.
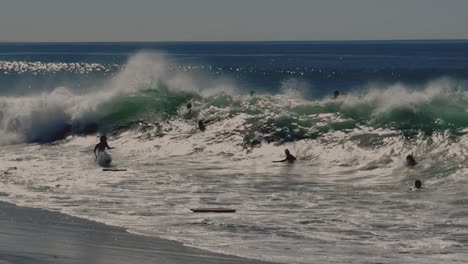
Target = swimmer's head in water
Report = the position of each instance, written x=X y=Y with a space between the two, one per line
x=286 y=151
x=417 y=184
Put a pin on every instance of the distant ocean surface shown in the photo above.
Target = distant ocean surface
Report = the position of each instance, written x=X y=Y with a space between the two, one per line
x=346 y=199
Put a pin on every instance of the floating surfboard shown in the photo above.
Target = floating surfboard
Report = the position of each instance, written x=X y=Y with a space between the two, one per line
x=213 y=210
x=110 y=169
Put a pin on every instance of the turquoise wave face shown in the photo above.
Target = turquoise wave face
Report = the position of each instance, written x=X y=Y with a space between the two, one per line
x=438 y=107
x=150 y=105
x=280 y=117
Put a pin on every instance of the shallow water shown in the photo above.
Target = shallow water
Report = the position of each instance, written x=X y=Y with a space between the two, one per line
x=306 y=212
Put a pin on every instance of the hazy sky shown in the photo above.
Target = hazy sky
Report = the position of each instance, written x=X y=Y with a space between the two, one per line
x=198 y=20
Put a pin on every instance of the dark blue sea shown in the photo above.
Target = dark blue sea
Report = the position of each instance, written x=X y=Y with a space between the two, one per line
x=264 y=66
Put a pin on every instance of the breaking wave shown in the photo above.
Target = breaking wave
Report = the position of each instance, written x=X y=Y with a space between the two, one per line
x=149 y=93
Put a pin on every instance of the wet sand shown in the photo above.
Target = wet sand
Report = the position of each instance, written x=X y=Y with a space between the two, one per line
x=29 y=235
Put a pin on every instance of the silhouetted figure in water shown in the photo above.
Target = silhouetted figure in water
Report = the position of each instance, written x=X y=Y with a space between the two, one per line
x=417 y=185
x=252 y=93
x=289 y=158
x=189 y=108
x=101 y=146
x=201 y=125
x=410 y=161
x=336 y=94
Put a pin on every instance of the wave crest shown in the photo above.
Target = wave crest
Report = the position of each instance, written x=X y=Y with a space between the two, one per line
x=146 y=89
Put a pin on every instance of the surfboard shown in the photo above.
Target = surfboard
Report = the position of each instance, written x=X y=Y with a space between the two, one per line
x=213 y=210
x=104 y=159
x=114 y=169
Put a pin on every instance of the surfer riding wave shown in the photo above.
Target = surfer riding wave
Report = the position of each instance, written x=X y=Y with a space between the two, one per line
x=101 y=146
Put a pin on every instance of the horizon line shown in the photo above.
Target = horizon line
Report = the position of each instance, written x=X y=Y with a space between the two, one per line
x=233 y=41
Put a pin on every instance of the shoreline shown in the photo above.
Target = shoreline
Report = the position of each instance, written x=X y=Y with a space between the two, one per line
x=32 y=235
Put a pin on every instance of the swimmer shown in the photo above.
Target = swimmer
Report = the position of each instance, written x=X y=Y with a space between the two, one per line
x=289 y=158
x=410 y=161
x=189 y=109
x=336 y=94
x=201 y=125
x=417 y=185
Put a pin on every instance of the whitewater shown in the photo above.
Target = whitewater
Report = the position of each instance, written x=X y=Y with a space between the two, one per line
x=346 y=200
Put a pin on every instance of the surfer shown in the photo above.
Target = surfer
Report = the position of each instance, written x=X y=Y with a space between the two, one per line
x=102 y=145
x=252 y=93
x=289 y=158
x=189 y=110
x=417 y=185
x=336 y=94
x=201 y=125
x=410 y=161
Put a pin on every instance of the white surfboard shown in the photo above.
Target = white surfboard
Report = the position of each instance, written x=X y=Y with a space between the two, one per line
x=104 y=159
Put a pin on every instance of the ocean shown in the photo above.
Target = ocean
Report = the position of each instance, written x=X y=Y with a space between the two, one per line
x=346 y=199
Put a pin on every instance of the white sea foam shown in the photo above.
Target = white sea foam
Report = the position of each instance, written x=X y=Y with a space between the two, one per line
x=339 y=199
x=41 y=117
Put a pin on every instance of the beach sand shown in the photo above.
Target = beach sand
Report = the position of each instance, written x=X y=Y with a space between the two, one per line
x=29 y=235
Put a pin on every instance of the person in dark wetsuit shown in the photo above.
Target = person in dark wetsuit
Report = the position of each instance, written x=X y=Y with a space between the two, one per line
x=101 y=146
x=289 y=158
x=336 y=94
x=189 y=109
x=410 y=161
x=201 y=125
x=417 y=185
